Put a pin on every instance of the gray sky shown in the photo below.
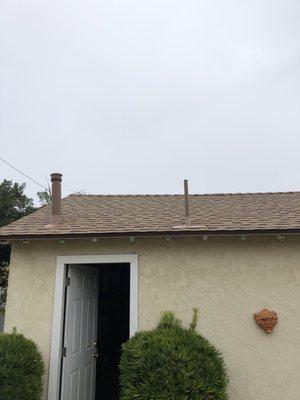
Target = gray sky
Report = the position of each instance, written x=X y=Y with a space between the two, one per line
x=132 y=96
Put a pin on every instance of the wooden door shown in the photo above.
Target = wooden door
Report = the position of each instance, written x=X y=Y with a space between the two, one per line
x=80 y=337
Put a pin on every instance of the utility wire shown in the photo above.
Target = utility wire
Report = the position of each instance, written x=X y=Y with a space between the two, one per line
x=28 y=177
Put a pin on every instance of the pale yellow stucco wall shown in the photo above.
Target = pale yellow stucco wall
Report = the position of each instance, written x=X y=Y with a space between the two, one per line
x=227 y=278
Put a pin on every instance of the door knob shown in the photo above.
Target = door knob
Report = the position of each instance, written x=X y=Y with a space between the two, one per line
x=96 y=355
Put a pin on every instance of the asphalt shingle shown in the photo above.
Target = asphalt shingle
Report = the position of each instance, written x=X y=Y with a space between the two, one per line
x=85 y=215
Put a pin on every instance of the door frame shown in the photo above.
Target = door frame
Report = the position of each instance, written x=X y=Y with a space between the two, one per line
x=59 y=304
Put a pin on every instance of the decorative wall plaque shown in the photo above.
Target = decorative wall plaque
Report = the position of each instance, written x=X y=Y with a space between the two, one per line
x=266 y=319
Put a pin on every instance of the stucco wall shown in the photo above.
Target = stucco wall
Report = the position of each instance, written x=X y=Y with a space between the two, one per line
x=227 y=278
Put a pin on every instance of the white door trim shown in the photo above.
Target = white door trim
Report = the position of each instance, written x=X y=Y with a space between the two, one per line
x=58 y=309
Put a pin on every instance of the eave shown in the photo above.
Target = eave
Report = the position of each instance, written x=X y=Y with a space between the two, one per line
x=247 y=232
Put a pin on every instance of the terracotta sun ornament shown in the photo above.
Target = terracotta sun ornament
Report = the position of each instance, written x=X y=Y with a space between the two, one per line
x=266 y=319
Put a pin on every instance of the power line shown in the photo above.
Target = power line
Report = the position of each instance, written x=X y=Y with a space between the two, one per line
x=28 y=177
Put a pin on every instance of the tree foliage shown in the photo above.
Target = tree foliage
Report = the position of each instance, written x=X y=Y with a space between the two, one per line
x=4 y=262
x=172 y=362
x=14 y=204
x=44 y=197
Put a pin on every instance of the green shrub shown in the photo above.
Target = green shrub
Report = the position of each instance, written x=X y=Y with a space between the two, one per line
x=21 y=368
x=172 y=363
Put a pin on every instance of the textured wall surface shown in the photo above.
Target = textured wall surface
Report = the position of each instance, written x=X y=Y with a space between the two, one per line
x=227 y=278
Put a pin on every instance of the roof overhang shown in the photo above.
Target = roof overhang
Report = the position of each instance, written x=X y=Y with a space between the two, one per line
x=252 y=232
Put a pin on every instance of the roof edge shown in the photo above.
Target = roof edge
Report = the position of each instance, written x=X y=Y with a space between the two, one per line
x=91 y=235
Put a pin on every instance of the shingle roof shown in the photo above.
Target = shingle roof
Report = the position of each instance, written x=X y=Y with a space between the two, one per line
x=87 y=215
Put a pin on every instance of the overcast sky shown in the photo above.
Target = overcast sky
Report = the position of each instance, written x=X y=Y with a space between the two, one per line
x=133 y=96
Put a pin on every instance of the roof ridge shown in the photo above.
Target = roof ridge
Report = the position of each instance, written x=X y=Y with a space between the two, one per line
x=180 y=194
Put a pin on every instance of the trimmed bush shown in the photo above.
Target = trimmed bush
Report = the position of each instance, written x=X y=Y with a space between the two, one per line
x=172 y=362
x=21 y=368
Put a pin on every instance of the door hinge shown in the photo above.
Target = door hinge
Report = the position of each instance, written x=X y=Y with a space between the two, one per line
x=64 y=352
x=68 y=281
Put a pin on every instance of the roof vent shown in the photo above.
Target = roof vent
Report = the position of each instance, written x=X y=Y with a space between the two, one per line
x=188 y=226
x=186 y=203
x=56 y=179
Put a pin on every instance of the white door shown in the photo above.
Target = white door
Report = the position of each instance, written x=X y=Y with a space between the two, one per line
x=80 y=348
